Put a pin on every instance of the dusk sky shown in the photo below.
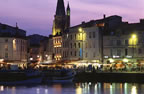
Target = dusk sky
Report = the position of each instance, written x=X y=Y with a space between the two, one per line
x=36 y=16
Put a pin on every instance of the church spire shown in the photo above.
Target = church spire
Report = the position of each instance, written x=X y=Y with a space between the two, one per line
x=68 y=10
x=68 y=7
x=60 y=8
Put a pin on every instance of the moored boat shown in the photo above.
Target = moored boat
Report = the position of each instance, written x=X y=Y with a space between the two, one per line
x=58 y=75
x=17 y=77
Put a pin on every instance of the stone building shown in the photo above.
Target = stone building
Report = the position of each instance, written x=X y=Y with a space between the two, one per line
x=13 y=44
x=125 y=43
x=82 y=43
x=60 y=24
x=34 y=47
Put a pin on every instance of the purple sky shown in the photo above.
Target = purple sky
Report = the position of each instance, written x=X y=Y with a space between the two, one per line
x=36 y=16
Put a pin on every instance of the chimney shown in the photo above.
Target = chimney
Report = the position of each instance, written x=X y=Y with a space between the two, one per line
x=104 y=16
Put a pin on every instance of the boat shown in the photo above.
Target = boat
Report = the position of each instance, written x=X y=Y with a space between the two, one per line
x=58 y=75
x=19 y=77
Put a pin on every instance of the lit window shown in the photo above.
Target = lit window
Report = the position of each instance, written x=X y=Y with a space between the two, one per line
x=6 y=47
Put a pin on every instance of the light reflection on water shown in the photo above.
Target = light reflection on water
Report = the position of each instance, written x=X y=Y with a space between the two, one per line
x=76 y=88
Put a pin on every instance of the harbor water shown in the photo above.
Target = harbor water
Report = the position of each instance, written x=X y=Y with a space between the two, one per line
x=75 y=88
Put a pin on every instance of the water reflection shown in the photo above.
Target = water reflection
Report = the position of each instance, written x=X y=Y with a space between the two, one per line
x=1 y=88
x=134 y=90
x=107 y=88
x=76 y=88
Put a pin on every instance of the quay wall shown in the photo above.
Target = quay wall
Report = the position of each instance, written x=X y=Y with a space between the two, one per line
x=109 y=77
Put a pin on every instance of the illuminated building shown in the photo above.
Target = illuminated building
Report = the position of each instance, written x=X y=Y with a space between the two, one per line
x=57 y=44
x=125 y=48
x=82 y=43
x=60 y=24
x=13 y=44
x=61 y=19
x=36 y=46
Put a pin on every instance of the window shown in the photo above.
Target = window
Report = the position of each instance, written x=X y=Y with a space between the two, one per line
x=71 y=37
x=6 y=40
x=126 y=52
x=6 y=55
x=79 y=45
x=86 y=55
x=89 y=45
x=118 y=42
x=93 y=34
x=118 y=52
x=6 y=47
x=75 y=45
x=71 y=45
x=94 y=45
x=86 y=45
x=126 y=42
x=75 y=53
x=89 y=34
x=111 y=42
x=139 y=51
x=111 y=52
x=71 y=53
x=94 y=54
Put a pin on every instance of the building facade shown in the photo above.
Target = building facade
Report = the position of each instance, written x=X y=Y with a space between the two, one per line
x=13 y=50
x=82 y=44
x=125 y=48
x=61 y=23
x=13 y=44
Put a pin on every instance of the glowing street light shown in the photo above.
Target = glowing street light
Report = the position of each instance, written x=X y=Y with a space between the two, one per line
x=1 y=60
x=31 y=59
x=125 y=60
x=133 y=40
x=80 y=29
x=46 y=55
x=134 y=36
x=111 y=60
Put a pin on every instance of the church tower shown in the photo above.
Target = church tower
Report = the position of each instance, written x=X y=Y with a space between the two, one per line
x=59 y=19
x=62 y=19
x=68 y=16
